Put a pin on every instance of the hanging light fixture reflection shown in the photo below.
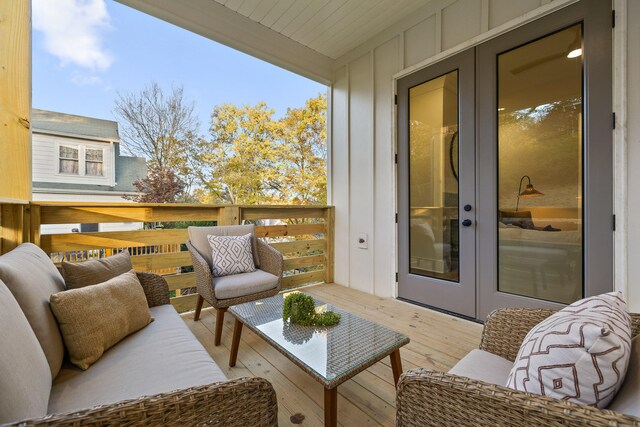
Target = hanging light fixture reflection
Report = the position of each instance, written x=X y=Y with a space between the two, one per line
x=528 y=192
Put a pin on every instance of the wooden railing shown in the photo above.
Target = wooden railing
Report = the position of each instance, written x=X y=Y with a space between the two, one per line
x=303 y=234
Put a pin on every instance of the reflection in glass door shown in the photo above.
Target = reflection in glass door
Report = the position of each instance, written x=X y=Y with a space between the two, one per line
x=540 y=168
x=436 y=186
x=433 y=178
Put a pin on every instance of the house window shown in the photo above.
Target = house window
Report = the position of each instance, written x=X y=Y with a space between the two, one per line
x=94 y=162
x=69 y=161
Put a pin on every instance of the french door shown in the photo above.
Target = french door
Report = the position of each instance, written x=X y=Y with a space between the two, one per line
x=505 y=169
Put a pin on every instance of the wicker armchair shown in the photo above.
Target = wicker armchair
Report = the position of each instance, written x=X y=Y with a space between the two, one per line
x=427 y=398
x=271 y=261
x=237 y=403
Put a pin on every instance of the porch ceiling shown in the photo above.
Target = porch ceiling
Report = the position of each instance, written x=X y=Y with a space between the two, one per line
x=303 y=36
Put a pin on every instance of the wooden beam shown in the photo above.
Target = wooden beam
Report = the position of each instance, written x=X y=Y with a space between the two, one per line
x=230 y=215
x=15 y=101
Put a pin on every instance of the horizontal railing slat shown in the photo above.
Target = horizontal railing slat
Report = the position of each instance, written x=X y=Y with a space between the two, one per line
x=181 y=281
x=161 y=261
x=302 y=278
x=289 y=230
x=111 y=239
x=105 y=214
x=186 y=302
x=299 y=245
x=280 y=213
x=304 y=261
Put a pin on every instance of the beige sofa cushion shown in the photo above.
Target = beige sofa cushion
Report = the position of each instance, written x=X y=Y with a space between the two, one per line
x=94 y=318
x=199 y=240
x=25 y=377
x=483 y=366
x=162 y=357
x=579 y=354
x=32 y=278
x=79 y=274
x=239 y=285
x=627 y=400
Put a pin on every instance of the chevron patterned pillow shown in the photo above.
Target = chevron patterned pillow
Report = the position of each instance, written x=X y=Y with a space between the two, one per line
x=231 y=255
x=578 y=354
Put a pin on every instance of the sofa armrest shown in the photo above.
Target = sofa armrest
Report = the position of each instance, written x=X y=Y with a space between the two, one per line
x=204 y=277
x=155 y=288
x=427 y=398
x=505 y=329
x=271 y=260
x=239 y=402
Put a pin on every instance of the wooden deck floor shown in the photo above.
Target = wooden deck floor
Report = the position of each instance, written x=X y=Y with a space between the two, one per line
x=438 y=341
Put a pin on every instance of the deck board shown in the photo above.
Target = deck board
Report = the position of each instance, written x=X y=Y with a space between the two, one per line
x=438 y=341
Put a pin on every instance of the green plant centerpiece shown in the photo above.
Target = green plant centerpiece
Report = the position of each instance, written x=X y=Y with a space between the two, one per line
x=300 y=308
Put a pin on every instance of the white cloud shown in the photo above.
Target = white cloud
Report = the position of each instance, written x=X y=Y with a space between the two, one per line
x=84 y=80
x=73 y=31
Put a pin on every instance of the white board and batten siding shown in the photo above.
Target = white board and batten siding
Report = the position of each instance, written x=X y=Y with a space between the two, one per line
x=363 y=128
x=45 y=149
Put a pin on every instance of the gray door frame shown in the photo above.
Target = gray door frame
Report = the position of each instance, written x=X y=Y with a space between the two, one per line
x=477 y=83
x=597 y=151
x=446 y=295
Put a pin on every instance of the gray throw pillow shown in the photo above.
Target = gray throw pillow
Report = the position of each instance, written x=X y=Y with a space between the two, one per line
x=87 y=273
x=231 y=255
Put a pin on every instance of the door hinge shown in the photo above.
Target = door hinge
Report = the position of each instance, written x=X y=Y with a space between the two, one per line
x=614 y=120
x=396 y=276
x=613 y=18
x=396 y=218
x=396 y=159
x=614 y=223
x=395 y=99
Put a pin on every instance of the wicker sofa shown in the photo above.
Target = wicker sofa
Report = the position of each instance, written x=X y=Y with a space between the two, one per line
x=428 y=398
x=160 y=375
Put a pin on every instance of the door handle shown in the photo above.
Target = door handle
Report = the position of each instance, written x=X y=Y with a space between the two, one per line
x=467 y=222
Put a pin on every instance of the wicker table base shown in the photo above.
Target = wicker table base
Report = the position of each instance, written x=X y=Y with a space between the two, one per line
x=331 y=356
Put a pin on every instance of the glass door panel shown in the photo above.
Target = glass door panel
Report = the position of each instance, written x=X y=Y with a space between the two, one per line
x=540 y=171
x=433 y=178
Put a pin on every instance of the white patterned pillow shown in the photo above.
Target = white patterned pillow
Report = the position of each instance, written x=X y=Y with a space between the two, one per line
x=231 y=255
x=578 y=354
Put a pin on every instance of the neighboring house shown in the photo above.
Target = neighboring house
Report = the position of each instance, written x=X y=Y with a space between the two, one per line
x=78 y=158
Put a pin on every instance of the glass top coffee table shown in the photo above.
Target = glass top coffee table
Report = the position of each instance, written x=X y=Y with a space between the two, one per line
x=330 y=355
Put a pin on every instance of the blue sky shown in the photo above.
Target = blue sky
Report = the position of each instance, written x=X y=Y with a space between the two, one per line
x=85 y=52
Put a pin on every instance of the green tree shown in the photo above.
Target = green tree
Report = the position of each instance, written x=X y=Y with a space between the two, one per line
x=303 y=153
x=250 y=158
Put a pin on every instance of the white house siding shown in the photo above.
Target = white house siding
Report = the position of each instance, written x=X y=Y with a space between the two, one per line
x=45 y=160
x=363 y=171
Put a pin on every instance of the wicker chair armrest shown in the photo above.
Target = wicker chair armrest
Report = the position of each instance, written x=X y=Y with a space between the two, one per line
x=239 y=402
x=204 y=276
x=427 y=398
x=505 y=329
x=271 y=260
x=155 y=288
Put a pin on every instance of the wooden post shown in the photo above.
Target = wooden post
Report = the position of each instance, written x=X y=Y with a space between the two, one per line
x=15 y=101
x=329 y=220
x=230 y=215
x=12 y=226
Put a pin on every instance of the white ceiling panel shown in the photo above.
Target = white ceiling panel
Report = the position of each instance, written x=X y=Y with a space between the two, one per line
x=330 y=27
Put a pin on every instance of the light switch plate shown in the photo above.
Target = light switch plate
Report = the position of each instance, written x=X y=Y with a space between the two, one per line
x=363 y=241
